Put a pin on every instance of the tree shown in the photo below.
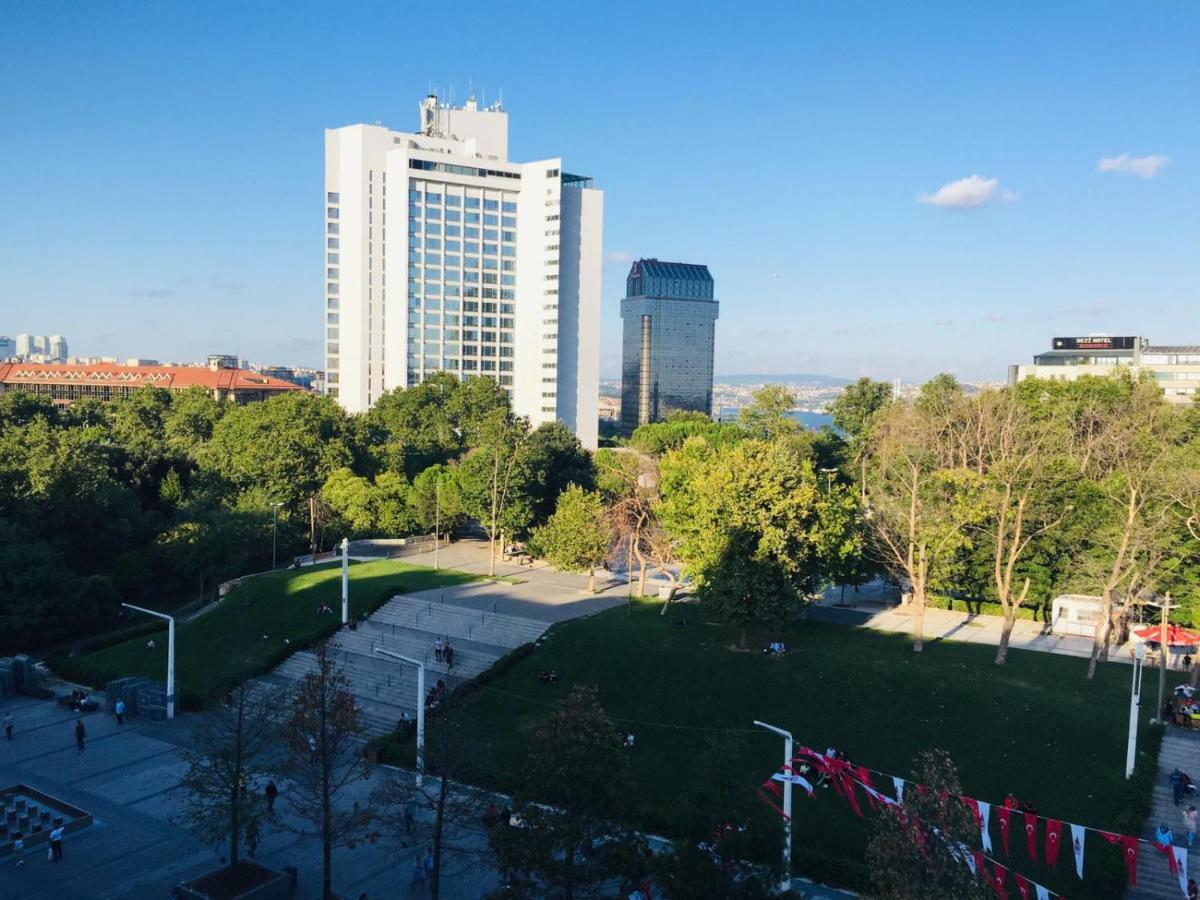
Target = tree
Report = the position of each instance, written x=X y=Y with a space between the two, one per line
x=495 y=479
x=855 y=409
x=287 y=447
x=1022 y=469
x=767 y=416
x=753 y=527
x=455 y=832
x=324 y=734
x=919 y=849
x=436 y=499
x=575 y=777
x=555 y=454
x=225 y=757
x=919 y=502
x=578 y=536
x=656 y=438
x=351 y=499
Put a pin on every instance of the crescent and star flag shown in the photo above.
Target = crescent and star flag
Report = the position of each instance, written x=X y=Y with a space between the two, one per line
x=1031 y=835
x=1053 y=841
x=1003 y=813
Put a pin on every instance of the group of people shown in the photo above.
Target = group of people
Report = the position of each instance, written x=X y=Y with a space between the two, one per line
x=775 y=648
x=81 y=700
x=436 y=694
x=443 y=651
x=54 y=852
x=324 y=609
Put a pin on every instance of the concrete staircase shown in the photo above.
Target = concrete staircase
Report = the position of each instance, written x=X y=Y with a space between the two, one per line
x=385 y=687
x=1180 y=749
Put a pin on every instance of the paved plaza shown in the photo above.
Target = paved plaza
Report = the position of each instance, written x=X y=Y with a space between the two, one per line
x=127 y=777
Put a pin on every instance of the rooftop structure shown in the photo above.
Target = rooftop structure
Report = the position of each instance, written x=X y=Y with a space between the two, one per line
x=1175 y=367
x=64 y=384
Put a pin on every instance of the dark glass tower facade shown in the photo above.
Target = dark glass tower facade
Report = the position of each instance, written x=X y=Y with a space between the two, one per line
x=669 y=321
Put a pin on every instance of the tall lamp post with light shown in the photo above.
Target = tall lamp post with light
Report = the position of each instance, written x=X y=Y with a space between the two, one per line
x=274 y=531
x=170 y=653
x=1135 y=700
x=420 y=707
x=786 y=884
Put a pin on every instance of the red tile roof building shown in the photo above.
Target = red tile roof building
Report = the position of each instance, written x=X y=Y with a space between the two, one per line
x=64 y=384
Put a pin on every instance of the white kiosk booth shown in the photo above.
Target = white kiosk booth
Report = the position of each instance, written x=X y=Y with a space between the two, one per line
x=1075 y=614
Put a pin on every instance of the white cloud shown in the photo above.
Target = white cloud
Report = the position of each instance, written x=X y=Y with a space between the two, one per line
x=618 y=256
x=967 y=193
x=1141 y=166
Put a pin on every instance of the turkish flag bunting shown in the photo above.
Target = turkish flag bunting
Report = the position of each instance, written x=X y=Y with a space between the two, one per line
x=864 y=778
x=998 y=881
x=980 y=864
x=1180 y=855
x=1129 y=850
x=1165 y=850
x=1023 y=885
x=1053 y=841
x=1031 y=835
x=1003 y=813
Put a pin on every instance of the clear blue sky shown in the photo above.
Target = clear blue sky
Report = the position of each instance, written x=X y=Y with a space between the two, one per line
x=162 y=165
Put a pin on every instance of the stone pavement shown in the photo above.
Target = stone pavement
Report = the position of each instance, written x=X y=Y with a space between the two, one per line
x=128 y=778
x=875 y=611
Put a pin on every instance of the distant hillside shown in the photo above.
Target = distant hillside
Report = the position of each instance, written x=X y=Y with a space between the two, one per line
x=802 y=378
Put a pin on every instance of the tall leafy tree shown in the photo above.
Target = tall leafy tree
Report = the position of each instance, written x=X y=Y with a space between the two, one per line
x=578 y=536
x=555 y=454
x=495 y=480
x=768 y=415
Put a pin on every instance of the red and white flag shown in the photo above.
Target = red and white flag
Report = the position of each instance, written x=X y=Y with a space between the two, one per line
x=1077 y=834
x=998 y=880
x=1031 y=835
x=1180 y=855
x=1023 y=885
x=1003 y=813
x=1053 y=840
x=1129 y=850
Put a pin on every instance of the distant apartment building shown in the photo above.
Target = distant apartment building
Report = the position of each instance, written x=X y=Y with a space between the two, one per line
x=1176 y=368
x=492 y=270
x=669 y=321
x=224 y=361
x=8 y=347
x=35 y=348
x=64 y=384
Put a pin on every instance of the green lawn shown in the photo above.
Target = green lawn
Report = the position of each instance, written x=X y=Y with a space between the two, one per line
x=224 y=646
x=1037 y=728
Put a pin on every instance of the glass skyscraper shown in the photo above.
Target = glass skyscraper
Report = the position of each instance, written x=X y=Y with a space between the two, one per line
x=669 y=317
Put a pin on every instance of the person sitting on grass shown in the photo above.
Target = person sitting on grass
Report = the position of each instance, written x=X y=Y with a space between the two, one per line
x=324 y=609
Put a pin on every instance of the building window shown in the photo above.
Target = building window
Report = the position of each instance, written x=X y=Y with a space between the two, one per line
x=332 y=197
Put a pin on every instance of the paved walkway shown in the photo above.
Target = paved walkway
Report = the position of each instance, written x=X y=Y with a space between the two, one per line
x=1180 y=749
x=128 y=778
x=874 y=611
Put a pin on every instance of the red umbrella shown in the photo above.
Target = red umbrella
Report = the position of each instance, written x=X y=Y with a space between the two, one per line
x=1176 y=636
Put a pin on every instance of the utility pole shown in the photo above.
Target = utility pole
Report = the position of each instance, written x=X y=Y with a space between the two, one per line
x=345 y=580
x=786 y=883
x=274 y=528
x=437 y=519
x=1164 y=628
x=170 y=654
x=1135 y=699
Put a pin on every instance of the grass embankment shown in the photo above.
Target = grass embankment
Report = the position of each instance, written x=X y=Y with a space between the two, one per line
x=257 y=625
x=1036 y=728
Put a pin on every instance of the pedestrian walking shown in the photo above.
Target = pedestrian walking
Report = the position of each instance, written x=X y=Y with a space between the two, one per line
x=120 y=711
x=439 y=648
x=448 y=655
x=272 y=793
x=410 y=816
x=428 y=864
x=418 y=870
x=8 y=726
x=19 y=848
x=1189 y=824
x=312 y=749
x=80 y=733
x=252 y=838
x=56 y=841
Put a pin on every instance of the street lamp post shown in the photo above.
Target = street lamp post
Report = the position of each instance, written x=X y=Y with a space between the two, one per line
x=787 y=804
x=274 y=531
x=437 y=519
x=170 y=654
x=420 y=707
x=1135 y=699
x=345 y=580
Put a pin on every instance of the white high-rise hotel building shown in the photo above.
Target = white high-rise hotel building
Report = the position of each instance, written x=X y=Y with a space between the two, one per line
x=494 y=265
